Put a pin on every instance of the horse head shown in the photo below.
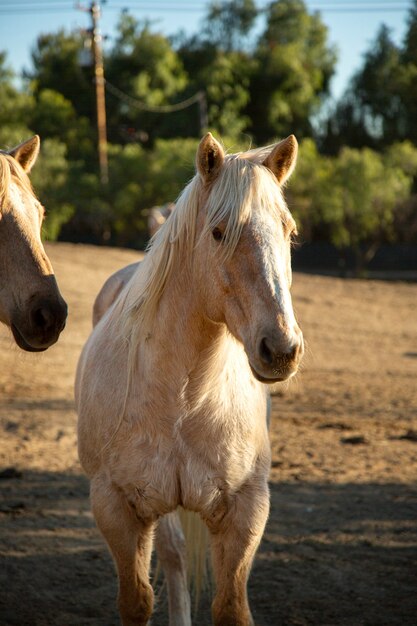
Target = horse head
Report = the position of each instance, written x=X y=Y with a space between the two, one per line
x=244 y=252
x=30 y=301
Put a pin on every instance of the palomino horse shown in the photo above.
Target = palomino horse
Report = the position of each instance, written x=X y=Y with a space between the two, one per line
x=30 y=302
x=158 y=215
x=171 y=390
x=111 y=290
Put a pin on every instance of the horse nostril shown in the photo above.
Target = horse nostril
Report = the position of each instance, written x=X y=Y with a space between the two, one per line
x=42 y=318
x=265 y=352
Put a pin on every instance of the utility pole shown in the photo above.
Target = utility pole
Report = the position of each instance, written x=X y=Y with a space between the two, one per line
x=96 y=38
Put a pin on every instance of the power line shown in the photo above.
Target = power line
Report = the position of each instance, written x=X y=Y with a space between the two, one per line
x=29 y=10
x=192 y=5
x=198 y=98
x=349 y=6
x=205 y=4
x=166 y=108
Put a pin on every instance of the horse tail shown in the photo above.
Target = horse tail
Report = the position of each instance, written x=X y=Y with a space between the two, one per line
x=199 y=570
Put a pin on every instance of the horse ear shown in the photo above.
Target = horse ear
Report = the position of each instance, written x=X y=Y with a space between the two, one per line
x=27 y=152
x=281 y=161
x=210 y=158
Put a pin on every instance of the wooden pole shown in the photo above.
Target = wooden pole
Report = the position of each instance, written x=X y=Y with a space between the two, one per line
x=100 y=92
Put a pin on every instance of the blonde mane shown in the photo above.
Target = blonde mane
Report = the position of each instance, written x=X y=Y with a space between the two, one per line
x=11 y=171
x=241 y=184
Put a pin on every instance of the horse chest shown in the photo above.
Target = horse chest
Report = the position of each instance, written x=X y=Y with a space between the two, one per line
x=194 y=464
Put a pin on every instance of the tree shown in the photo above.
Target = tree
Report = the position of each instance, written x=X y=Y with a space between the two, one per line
x=408 y=76
x=371 y=112
x=218 y=63
x=228 y=23
x=50 y=179
x=380 y=105
x=56 y=66
x=368 y=189
x=294 y=65
x=64 y=95
x=145 y=66
x=15 y=109
x=309 y=190
x=357 y=200
x=140 y=178
x=54 y=116
x=227 y=86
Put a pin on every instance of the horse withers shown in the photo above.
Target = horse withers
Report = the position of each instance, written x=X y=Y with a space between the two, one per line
x=172 y=385
x=30 y=301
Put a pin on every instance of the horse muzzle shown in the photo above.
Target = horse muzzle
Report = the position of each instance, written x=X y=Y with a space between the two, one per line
x=40 y=327
x=277 y=356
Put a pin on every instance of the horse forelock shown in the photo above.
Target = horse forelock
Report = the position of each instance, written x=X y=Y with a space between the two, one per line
x=242 y=184
x=12 y=172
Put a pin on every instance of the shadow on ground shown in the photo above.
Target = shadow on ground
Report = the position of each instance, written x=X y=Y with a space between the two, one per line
x=331 y=555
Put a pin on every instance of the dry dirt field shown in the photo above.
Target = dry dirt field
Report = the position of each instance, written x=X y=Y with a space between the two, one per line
x=340 y=547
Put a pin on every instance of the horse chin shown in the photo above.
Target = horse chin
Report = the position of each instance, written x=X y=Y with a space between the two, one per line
x=270 y=380
x=24 y=344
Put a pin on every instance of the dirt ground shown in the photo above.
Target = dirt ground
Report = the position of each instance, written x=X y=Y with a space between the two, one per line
x=340 y=547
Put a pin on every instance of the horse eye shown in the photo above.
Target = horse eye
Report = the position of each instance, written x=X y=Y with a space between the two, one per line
x=217 y=234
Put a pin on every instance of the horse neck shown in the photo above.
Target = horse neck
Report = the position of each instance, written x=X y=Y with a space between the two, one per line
x=183 y=344
x=189 y=358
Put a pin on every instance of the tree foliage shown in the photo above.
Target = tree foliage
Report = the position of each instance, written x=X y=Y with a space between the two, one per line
x=380 y=104
x=265 y=73
x=355 y=200
x=229 y=22
x=144 y=65
x=294 y=65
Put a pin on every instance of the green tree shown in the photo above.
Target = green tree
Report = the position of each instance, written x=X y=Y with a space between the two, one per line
x=141 y=179
x=64 y=95
x=50 y=178
x=357 y=200
x=229 y=22
x=368 y=189
x=309 y=190
x=294 y=64
x=56 y=66
x=371 y=112
x=380 y=104
x=408 y=76
x=53 y=116
x=227 y=81
x=15 y=108
x=219 y=61
x=145 y=66
x=403 y=156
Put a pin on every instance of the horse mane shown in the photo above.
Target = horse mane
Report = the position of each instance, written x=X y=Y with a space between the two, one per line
x=242 y=183
x=11 y=171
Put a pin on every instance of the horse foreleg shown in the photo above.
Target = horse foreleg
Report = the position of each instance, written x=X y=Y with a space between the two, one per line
x=171 y=551
x=236 y=535
x=130 y=542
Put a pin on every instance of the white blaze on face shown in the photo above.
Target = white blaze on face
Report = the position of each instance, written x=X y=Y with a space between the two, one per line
x=27 y=208
x=276 y=267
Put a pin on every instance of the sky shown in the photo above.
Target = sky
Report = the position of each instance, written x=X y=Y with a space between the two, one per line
x=352 y=24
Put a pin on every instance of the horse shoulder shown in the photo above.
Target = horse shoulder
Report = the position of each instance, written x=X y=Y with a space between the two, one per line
x=100 y=388
x=111 y=290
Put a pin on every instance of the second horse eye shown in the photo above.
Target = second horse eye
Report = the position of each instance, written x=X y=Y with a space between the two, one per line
x=217 y=234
